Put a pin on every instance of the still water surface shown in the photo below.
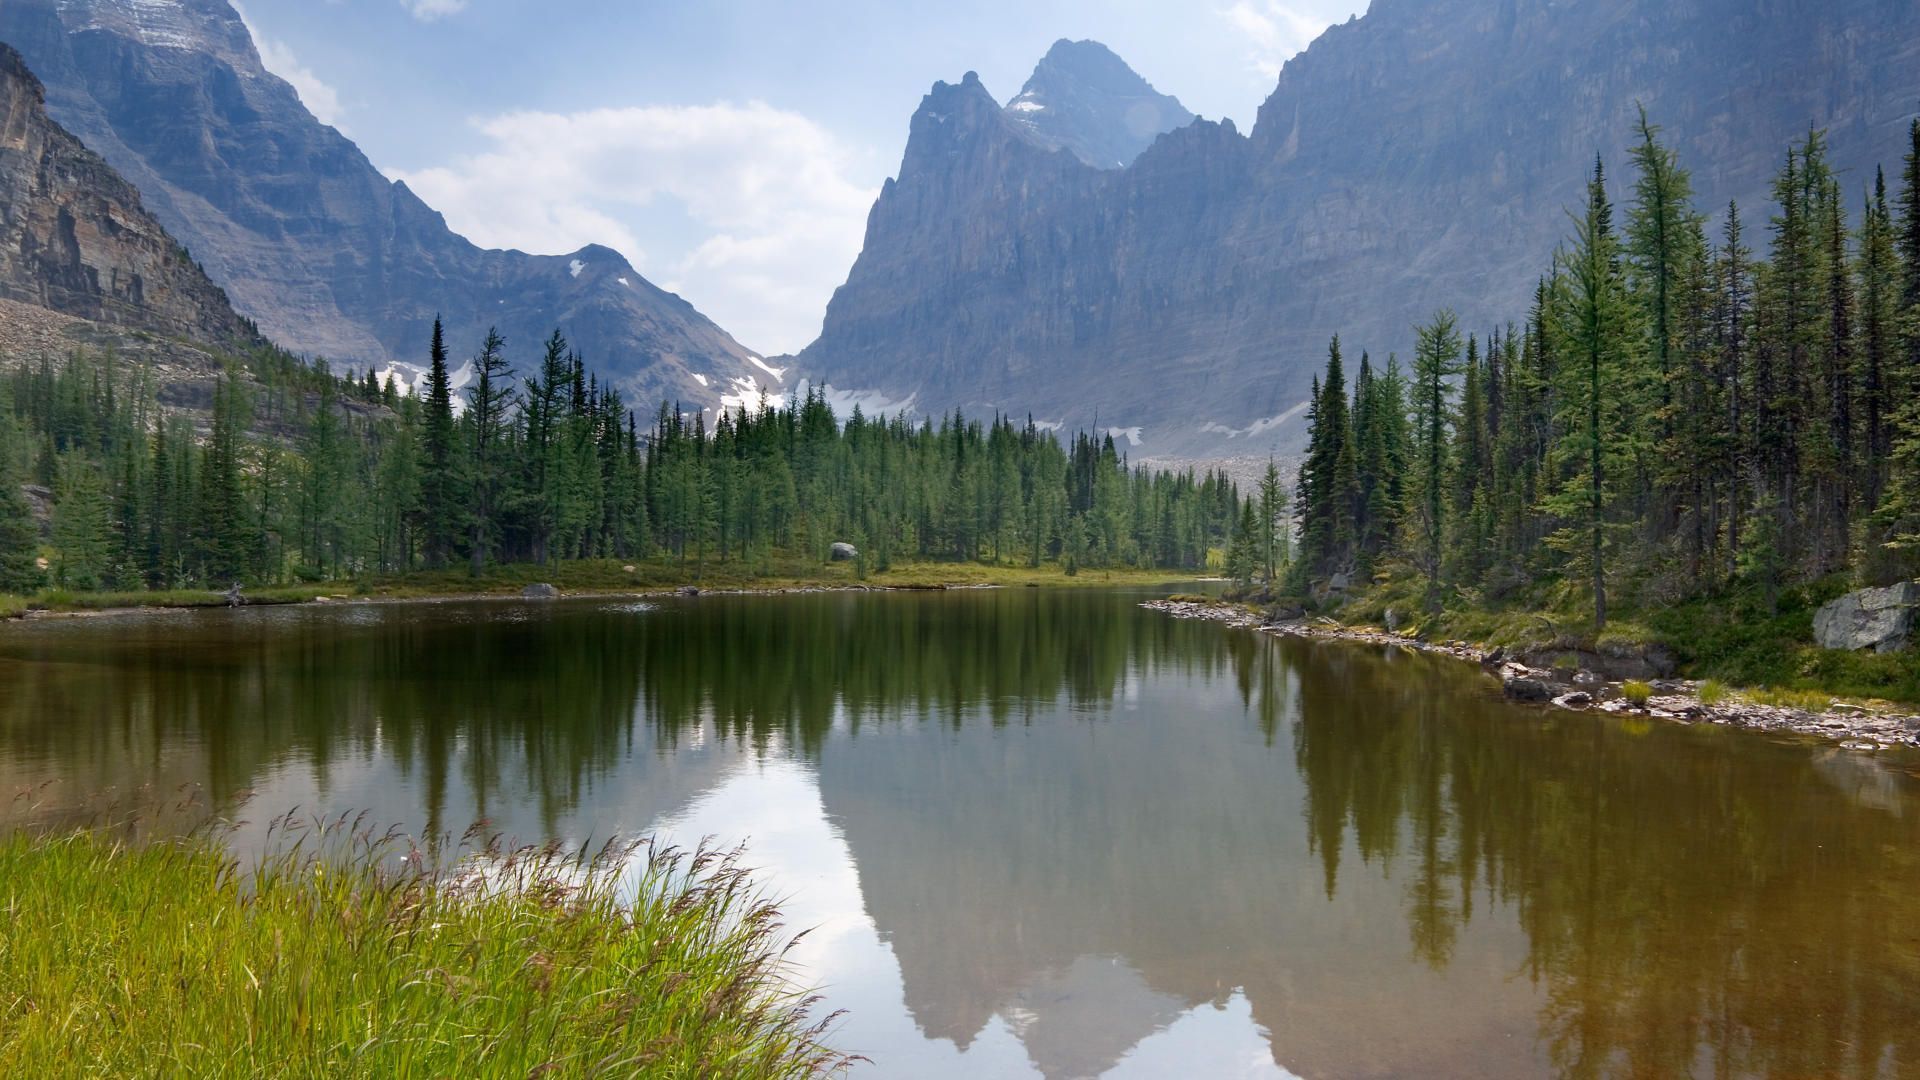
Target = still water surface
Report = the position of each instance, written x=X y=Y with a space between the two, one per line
x=1049 y=833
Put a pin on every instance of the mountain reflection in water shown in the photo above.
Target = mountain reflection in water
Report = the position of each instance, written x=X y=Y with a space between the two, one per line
x=1044 y=832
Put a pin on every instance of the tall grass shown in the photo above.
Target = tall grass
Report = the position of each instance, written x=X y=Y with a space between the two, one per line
x=346 y=955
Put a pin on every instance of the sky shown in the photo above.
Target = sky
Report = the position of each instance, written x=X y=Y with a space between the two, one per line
x=729 y=148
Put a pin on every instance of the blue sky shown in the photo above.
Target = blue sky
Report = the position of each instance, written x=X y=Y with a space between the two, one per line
x=729 y=148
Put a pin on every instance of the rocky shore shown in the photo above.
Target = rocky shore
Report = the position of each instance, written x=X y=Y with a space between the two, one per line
x=1855 y=727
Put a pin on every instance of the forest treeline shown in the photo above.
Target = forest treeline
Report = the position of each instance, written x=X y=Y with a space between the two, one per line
x=296 y=473
x=1676 y=414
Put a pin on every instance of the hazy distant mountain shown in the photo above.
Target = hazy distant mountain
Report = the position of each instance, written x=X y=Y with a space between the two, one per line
x=1420 y=156
x=75 y=239
x=1085 y=99
x=311 y=241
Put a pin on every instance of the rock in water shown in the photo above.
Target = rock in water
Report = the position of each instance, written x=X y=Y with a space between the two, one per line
x=1528 y=689
x=541 y=591
x=1877 y=619
x=843 y=552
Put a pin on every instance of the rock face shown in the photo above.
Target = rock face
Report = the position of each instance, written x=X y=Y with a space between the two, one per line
x=1877 y=619
x=1084 y=99
x=1421 y=156
x=311 y=241
x=75 y=239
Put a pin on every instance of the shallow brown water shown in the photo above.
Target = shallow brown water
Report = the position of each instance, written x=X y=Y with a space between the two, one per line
x=1050 y=833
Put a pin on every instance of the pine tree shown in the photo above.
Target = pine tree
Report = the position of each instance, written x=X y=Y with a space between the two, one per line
x=82 y=526
x=439 y=479
x=20 y=571
x=1591 y=326
x=1436 y=359
x=488 y=405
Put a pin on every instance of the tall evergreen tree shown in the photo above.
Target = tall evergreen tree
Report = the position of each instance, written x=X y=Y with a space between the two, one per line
x=1436 y=359
x=440 y=498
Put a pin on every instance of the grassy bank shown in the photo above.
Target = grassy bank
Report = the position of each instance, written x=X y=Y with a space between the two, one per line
x=167 y=959
x=1730 y=638
x=603 y=576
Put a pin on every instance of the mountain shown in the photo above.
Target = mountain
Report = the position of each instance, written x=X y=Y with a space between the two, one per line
x=1084 y=99
x=75 y=239
x=312 y=242
x=1418 y=157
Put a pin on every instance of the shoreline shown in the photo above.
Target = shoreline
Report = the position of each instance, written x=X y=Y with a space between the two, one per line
x=1852 y=727
x=416 y=594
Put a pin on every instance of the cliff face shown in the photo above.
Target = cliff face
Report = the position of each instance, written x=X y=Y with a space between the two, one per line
x=1419 y=157
x=74 y=237
x=326 y=254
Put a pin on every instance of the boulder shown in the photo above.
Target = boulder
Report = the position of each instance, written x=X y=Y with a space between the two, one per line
x=1524 y=688
x=843 y=552
x=540 y=591
x=689 y=590
x=1393 y=621
x=1877 y=619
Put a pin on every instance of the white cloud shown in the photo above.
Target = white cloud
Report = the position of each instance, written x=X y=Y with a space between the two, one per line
x=769 y=189
x=320 y=98
x=429 y=10
x=1274 y=31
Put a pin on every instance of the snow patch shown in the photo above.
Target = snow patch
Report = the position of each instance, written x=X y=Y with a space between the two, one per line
x=746 y=393
x=1027 y=107
x=411 y=379
x=575 y=267
x=1132 y=434
x=872 y=403
x=1214 y=427
x=1049 y=425
x=779 y=374
x=625 y=282
x=699 y=378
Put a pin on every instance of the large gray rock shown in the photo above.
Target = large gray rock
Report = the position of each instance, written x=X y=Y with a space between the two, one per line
x=843 y=553
x=1877 y=619
x=1526 y=688
x=540 y=591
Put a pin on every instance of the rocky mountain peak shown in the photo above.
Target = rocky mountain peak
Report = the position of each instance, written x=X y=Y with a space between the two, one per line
x=318 y=248
x=205 y=27
x=76 y=239
x=1083 y=98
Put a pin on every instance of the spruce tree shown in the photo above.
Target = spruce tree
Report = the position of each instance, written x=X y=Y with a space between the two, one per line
x=440 y=486
x=1592 y=330
x=1436 y=360
x=20 y=571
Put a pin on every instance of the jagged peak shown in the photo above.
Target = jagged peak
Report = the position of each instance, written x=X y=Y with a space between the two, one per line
x=13 y=67
x=1083 y=98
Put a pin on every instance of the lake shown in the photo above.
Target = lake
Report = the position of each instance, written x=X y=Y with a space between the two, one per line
x=1049 y=833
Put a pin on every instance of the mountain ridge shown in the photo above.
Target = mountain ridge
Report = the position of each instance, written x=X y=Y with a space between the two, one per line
x=329 y=256
x=76 y=239
x=1417 y=157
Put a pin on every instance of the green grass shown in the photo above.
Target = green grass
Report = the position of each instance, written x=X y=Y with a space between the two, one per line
x=169 y=959
x=1806 y=700
x=1637 y=692
x=1728 y=638
x=1731 y=638
x=606 y=576
x=1712 y=692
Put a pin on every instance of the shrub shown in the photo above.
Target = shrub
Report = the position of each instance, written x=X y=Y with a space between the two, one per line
x=1637 y=692
x=1712 y=692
